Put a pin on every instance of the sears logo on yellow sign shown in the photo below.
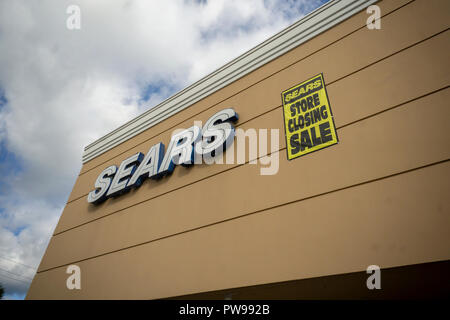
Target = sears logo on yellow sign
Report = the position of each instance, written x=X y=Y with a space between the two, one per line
x=308 y=121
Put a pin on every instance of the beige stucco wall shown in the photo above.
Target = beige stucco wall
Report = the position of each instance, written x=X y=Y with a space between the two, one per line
x=378 y=197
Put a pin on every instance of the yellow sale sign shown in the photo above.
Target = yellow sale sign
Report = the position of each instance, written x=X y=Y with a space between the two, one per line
x=308 y=120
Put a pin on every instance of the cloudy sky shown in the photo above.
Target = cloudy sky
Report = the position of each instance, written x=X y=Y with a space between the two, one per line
x=61 y=89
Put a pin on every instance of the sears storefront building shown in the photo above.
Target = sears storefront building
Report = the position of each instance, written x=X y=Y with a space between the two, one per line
x=360 y=173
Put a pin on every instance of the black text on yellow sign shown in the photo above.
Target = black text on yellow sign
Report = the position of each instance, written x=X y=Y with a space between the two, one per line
x=308 y=121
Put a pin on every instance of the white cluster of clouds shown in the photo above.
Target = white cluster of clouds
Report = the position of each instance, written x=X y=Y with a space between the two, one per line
x=62 y=89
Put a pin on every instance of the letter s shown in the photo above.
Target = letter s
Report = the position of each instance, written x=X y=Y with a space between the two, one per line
x=218 y=132
x=102 y=185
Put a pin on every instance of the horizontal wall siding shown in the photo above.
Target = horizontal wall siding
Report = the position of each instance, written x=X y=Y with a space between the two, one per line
x=386 y=143
x=380 y=196
x=396 y=221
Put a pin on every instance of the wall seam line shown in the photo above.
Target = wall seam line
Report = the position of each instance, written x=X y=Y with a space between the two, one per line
x=252 y=213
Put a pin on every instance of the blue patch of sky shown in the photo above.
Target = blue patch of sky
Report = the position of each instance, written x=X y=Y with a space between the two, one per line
x=10 y=164
x=3 y=100
x=293 y=10
x=14 y=296
x=149 y=90
x=213 y=32
x=18 y=230
x=15 y=230
x=289 y=10
x=197 y=2
x=161 y=88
